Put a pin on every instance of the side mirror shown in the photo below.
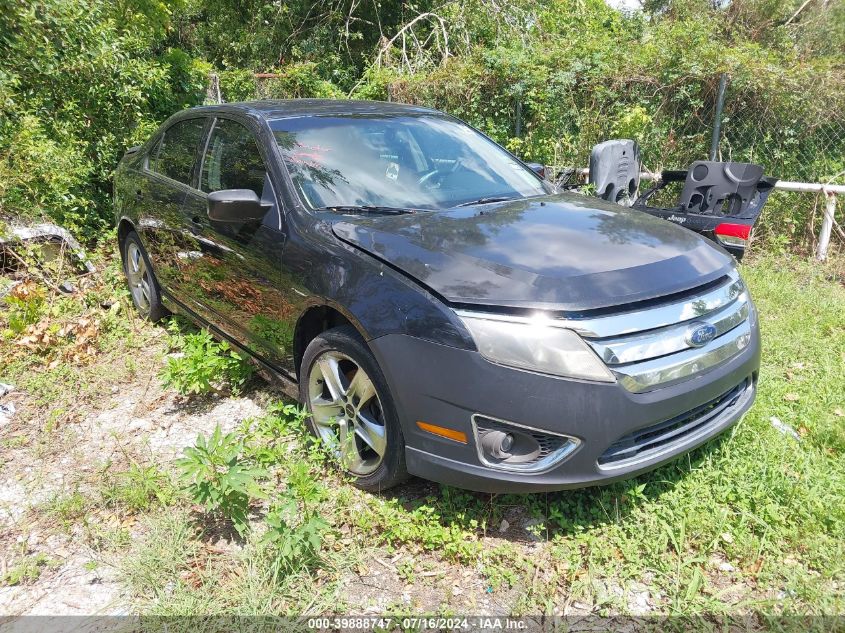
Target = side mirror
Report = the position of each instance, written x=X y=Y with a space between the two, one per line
x=235 y=205
x=538 y=168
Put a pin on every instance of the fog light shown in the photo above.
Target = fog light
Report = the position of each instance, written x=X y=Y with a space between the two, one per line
x=497 y=444
x=510 y=446
x=507 y=442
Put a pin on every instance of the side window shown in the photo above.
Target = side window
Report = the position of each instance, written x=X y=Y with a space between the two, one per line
x=176 y=152
x=232 y=160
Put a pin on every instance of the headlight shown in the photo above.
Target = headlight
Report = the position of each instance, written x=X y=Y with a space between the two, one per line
x=536 y=345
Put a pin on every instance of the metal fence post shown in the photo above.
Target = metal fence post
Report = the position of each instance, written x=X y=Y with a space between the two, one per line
x=827 y=225
x=717 y=117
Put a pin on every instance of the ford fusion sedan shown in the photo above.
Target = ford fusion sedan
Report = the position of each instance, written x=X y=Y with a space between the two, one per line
x=439 y=308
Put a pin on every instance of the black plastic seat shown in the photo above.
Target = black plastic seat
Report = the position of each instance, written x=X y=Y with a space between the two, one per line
x=716 y=188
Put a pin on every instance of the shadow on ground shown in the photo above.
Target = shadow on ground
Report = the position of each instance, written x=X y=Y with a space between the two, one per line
x=544 y=516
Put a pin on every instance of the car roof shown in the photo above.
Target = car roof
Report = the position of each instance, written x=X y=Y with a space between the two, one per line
x=273 y=109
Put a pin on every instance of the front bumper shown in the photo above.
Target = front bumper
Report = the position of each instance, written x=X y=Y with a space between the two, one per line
x=446 y=386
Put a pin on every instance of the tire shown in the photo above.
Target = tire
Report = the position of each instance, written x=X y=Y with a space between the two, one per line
x=335 y=391
x=146 y=295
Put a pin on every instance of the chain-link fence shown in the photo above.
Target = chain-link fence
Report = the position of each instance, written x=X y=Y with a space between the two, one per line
x=795 y=131
x=795 y=135
x=803 y=141
x=799 y=139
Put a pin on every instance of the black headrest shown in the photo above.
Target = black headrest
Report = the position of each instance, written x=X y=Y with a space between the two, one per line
x=615 y=169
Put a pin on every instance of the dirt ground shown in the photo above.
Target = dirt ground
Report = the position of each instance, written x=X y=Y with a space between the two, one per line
x=130 y=419
x=139 y=420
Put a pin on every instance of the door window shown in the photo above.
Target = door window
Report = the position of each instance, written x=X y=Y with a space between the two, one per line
x=176 y=152
x=232 y=160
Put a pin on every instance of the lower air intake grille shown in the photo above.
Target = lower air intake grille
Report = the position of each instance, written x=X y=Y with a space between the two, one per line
x=645 y=442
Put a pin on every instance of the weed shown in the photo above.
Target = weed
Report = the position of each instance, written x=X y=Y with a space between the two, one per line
x=160 y=555
x=295 y=537
x=503 y=566
x=219 y=479
x=203 y=365
x=27 y=571
x=270 y=439
x=425 y=527
x=70 y=509
x=14 y=442
x=138 y=489
x=102 y=538
x=295 y=528
x=406 y=569
x=24 y=306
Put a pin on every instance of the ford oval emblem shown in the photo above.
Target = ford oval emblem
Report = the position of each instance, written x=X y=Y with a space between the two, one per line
x=700 y=334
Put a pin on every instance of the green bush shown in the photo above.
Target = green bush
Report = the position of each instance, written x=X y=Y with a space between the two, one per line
x=218 y=478
x=203 y=365
x=297 y=81
x=237 y=85
x=81 y=81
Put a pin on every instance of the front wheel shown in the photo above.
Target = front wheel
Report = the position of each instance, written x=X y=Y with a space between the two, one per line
x=352 y=410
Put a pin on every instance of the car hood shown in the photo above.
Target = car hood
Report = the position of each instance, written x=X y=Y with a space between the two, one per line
x=562 y=252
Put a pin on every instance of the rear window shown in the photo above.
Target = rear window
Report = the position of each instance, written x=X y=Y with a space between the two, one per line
x=176 y=151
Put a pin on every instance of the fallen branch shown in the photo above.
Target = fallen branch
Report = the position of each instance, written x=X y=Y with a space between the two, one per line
x=406 y=33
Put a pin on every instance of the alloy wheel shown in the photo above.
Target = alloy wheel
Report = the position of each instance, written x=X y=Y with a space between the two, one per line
x=138 y=276
x=347 y=412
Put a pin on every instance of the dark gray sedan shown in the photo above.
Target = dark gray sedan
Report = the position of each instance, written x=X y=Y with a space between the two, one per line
x=439 y=308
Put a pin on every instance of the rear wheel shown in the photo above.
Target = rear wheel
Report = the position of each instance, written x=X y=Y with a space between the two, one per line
x=141 y=280
x=352 y=411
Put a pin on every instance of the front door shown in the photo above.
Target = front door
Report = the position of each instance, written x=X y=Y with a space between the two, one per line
x=234 y=284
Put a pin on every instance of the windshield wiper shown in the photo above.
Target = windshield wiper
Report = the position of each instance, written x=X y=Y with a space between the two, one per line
x=366 y=208
x=486 y=200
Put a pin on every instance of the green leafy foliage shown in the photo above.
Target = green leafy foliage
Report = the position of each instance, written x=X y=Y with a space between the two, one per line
x=267 y=440
x=140 y=488
x=24 y=305
x=79 y=82
x=27 y=571
x=295 y=532
x=203 y=365
x=218 y=478
x=82 y=80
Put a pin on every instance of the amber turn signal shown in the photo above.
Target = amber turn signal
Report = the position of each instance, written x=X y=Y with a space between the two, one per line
x=442 y=431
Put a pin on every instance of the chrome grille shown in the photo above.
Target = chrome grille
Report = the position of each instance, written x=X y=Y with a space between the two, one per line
x=651 y=441
x=648 y=348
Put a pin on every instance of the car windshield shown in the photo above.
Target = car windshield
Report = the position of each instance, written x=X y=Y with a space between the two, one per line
x=404 y=162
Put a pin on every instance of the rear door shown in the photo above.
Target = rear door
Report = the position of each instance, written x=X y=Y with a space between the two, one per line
x=235 y=283
x=167 y=174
